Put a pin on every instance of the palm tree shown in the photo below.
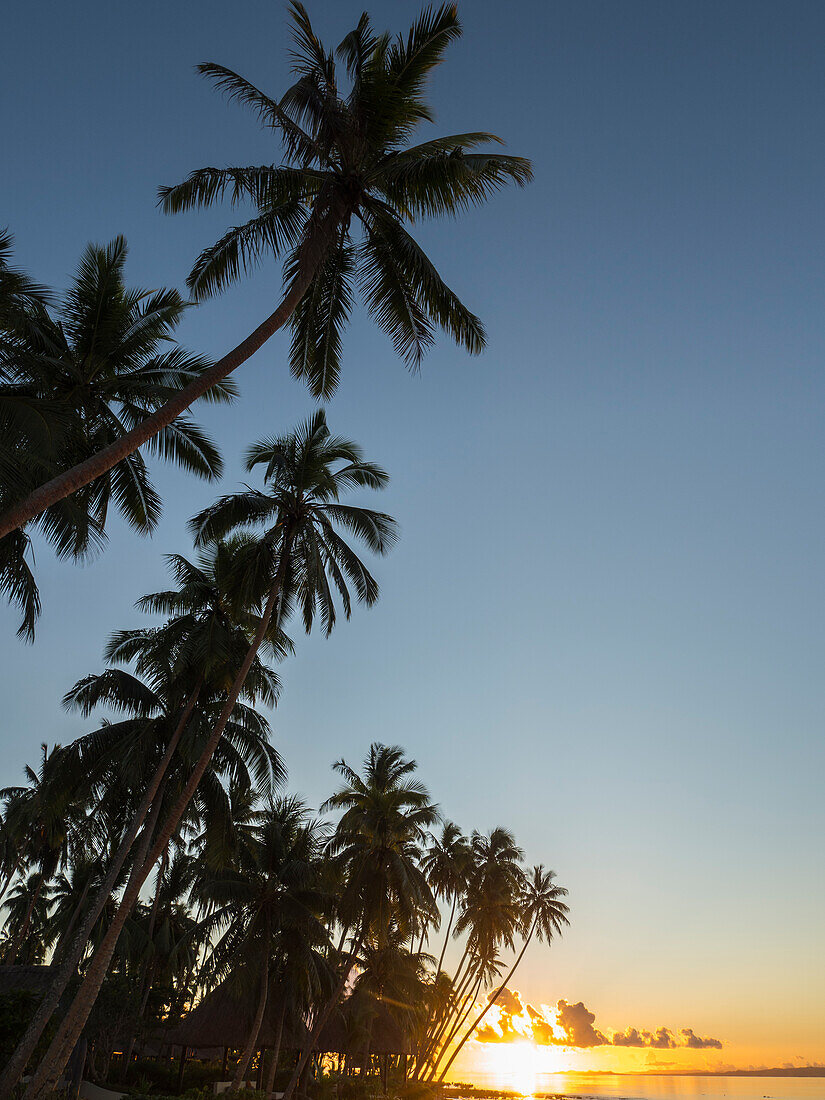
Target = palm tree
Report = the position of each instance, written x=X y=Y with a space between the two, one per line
x=378 y=843
x=445 y=864
x=26 y=434
x=544 y=914
x=273 y=889
x=187 y=661
x=27 y=934
x=392 y=976
x=42 y=815
x=336 y=210
x=490 y=916
x=84 y=376
x=19 y=296
x=298 y=557
x=379 y=839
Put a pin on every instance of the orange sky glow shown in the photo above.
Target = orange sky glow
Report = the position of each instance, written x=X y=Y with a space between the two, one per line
x=520 y=1041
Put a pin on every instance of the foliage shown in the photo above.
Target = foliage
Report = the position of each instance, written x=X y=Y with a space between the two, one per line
x=347 y=182
x=16 y=1009
x=73 y=378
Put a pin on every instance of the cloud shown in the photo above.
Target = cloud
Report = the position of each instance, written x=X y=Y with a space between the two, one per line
x=664 y=1039
x=631 y=1037
x=574 y=1025
x=696 y=1042
x=508 y=1001
x=577 y=1024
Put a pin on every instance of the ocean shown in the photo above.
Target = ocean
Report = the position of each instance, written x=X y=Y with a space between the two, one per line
x=597 y=1086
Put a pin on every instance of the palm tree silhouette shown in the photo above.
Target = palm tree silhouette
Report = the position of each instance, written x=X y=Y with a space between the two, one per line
x=74 y=380
x=336 y=211
x=297 y=559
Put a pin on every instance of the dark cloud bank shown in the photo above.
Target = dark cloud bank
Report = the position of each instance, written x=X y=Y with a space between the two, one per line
x=577 y=1023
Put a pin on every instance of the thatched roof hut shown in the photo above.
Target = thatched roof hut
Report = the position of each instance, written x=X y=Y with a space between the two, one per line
x=225 y=1017
x=25 y=979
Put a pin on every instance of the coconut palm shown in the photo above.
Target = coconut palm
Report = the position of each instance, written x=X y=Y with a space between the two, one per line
x=84 y=375
x=273 y=889
x=27 y=932
x=377 y=842
x=298 y=557
x=185 y=663
x=26 y=433
x=335 y=210
x=489 y=918
x=379 y=839
x=543 y=914
x=19 y=296
x=42 y=816
x=446 y=863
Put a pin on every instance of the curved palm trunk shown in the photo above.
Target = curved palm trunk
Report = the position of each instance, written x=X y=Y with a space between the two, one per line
x=442 y=1045
x=445 y=1019
x=446 y=939
x=489 y=1004
x=100 y=463
x=252 y=1041
x=48 y=1073
x=438 y=970
x=25 y=1048
x=14 y=947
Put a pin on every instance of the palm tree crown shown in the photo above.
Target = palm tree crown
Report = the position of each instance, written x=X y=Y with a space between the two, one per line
x=348 y=165
x=299 y=514
x=379 y=839
x=74 y=380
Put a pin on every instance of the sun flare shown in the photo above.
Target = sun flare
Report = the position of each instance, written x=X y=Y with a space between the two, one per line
x=517 y=1066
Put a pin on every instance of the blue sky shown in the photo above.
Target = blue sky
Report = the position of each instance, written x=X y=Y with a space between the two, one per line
x=603 y=623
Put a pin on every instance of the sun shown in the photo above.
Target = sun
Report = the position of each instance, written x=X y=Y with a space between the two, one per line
x=516 y=1066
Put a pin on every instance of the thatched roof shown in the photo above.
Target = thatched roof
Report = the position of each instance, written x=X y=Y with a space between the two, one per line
x=28 y=979
x=224 y=1018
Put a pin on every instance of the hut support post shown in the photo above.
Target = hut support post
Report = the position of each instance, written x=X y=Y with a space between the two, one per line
x=182 y=1066
x=225 y=1060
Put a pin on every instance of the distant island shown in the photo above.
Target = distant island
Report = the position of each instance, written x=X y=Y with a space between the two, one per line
x=778 y=1071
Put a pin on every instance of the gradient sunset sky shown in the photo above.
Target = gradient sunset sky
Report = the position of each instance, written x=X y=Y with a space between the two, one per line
x=603 y=625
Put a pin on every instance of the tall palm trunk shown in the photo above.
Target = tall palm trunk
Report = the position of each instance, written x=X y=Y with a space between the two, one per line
x=14 y=947
x=252 y=1041
x=100 y=463
x=445 y=1019
x=276 y=1053
x=14 y=1070
x=443 y=1044
x=446 y=939
x=429 y=1020
x=490 y=1003
x=48 y=1073
x=149 y=975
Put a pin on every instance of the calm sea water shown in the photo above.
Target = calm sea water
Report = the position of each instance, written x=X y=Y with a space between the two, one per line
x=652 y=1087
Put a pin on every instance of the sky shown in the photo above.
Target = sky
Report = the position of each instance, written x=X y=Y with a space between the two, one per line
x=603 y=623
